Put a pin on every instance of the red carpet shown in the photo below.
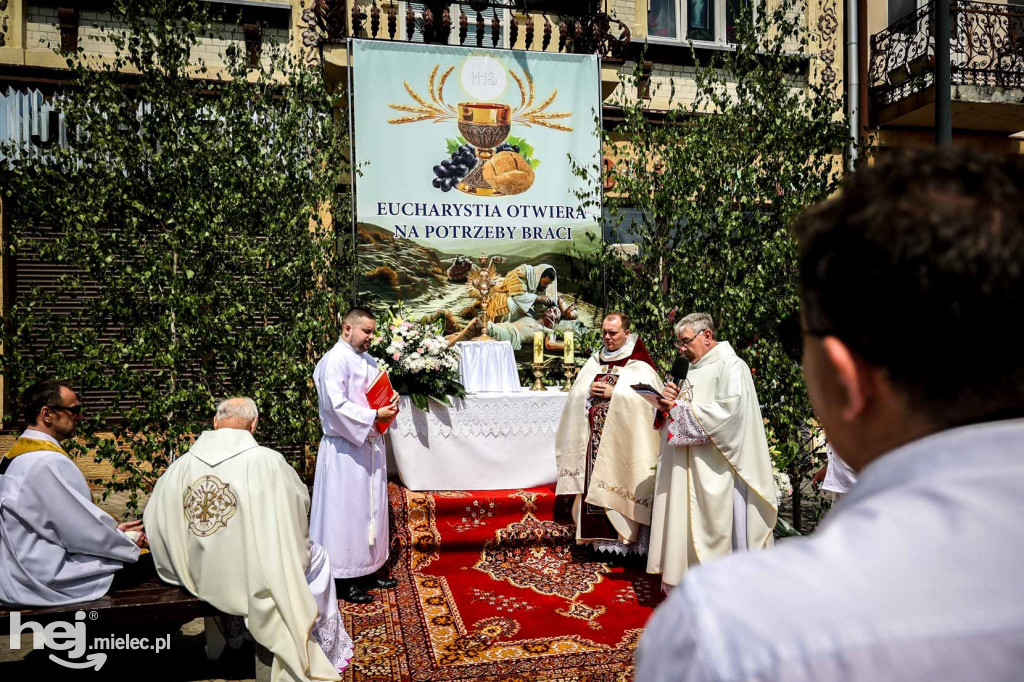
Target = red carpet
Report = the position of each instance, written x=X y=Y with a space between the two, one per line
x=493 y=587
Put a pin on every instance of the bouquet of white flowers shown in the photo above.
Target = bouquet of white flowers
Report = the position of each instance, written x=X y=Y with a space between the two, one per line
x=418 y=360
x=783 y=486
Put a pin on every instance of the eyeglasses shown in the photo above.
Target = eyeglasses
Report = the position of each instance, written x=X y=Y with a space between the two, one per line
x=74 y=409
x=683 y=343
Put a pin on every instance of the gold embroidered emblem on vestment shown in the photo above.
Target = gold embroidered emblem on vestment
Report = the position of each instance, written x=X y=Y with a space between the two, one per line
x=209 y=505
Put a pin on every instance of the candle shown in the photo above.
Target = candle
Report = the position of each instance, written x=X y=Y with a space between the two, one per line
x=538 y=347
x=570 y=350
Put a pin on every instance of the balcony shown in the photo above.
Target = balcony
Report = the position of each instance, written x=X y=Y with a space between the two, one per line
x=484 y=24
x=986 y=66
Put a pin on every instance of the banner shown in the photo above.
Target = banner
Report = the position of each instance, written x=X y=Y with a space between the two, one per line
x=466 y=195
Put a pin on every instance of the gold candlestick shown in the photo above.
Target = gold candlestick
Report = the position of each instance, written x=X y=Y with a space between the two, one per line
x=570 y=372
x=538 y=385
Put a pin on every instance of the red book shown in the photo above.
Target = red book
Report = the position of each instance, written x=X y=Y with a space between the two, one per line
x=378 y=396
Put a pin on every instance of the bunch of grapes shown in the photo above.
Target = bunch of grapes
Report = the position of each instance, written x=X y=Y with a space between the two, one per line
x=449 y=172
x=506 y=147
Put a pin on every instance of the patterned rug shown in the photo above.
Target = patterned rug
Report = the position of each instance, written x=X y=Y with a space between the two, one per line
x=493 y=587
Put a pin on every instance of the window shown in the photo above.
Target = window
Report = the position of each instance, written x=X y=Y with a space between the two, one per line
x=702 y=21
x=456 y=10
x=900 y=8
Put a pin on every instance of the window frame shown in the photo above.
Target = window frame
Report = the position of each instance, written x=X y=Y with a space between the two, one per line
x=682 y=20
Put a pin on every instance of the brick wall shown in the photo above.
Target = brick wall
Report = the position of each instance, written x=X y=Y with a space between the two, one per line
x=624 y=10
x=41 y=31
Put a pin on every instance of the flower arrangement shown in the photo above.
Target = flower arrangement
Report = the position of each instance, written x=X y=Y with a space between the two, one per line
x=783 y=486
x=418 y=359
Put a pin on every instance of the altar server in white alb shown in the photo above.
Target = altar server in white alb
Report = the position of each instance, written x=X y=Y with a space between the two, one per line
x=56 y=546
x=227 y=521
x=715 y=493
x=350 y=491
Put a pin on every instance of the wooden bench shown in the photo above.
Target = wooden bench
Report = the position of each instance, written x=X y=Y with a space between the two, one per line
x=151 y=601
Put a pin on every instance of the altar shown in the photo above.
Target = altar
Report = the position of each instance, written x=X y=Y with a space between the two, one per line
x=486 y=441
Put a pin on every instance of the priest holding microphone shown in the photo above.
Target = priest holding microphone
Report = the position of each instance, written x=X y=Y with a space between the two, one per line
x=714 y=491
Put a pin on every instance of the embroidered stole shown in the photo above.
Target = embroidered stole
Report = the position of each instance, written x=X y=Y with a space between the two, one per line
x=24 y=445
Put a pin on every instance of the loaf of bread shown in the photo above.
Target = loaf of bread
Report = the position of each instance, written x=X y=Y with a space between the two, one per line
x=509 y=173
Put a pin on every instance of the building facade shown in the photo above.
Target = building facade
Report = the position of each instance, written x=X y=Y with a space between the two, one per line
x=897 y=73
x=665 y=35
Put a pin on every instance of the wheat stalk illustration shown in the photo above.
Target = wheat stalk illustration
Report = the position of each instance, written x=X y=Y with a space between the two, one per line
x=529 y=115
x=436 y=110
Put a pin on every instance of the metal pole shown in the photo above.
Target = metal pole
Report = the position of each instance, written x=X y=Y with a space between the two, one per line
x=600 y=184
x=352 y=177
x=943 y=89
x=852 y=80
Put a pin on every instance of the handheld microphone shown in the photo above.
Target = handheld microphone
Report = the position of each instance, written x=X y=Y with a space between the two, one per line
x=679 y=369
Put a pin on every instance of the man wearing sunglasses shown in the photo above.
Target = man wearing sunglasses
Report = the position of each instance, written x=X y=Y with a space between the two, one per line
x=56 y=546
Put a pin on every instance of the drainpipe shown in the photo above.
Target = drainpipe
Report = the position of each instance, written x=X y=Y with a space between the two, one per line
x=862 y=64
x=852 y=81
x=943 y=95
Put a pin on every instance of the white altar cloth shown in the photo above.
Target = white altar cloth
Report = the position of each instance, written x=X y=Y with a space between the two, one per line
x=487 y=441
x=488 y=366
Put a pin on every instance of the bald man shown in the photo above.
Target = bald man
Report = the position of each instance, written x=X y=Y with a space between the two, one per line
x=228 y=521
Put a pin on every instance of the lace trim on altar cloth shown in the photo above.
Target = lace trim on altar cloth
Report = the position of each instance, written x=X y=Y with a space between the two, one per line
x=641 y=546
x=482 y=417
x=683 y=427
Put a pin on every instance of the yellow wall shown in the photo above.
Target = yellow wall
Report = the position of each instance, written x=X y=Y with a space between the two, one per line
x=33 y=33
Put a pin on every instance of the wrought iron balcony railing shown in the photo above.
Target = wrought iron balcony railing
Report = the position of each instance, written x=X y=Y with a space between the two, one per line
x=986 y=49
x=436 y=22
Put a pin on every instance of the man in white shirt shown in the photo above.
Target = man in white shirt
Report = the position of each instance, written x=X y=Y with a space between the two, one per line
x=909 y=282
x=56 y=546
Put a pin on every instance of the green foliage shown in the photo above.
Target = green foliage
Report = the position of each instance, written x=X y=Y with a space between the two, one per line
x=525 y=149
x=715 y=188
x=194 y=211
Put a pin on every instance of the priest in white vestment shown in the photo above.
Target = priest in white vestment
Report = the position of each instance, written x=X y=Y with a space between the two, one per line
x=715 y=493
x=227 y=521
x=607 y=445
x=350 y=490
x=56 y=546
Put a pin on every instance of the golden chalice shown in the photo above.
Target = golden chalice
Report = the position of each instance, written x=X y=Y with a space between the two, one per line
x=485 y=126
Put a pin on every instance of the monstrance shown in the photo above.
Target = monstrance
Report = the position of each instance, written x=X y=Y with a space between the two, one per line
x=480 y=282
